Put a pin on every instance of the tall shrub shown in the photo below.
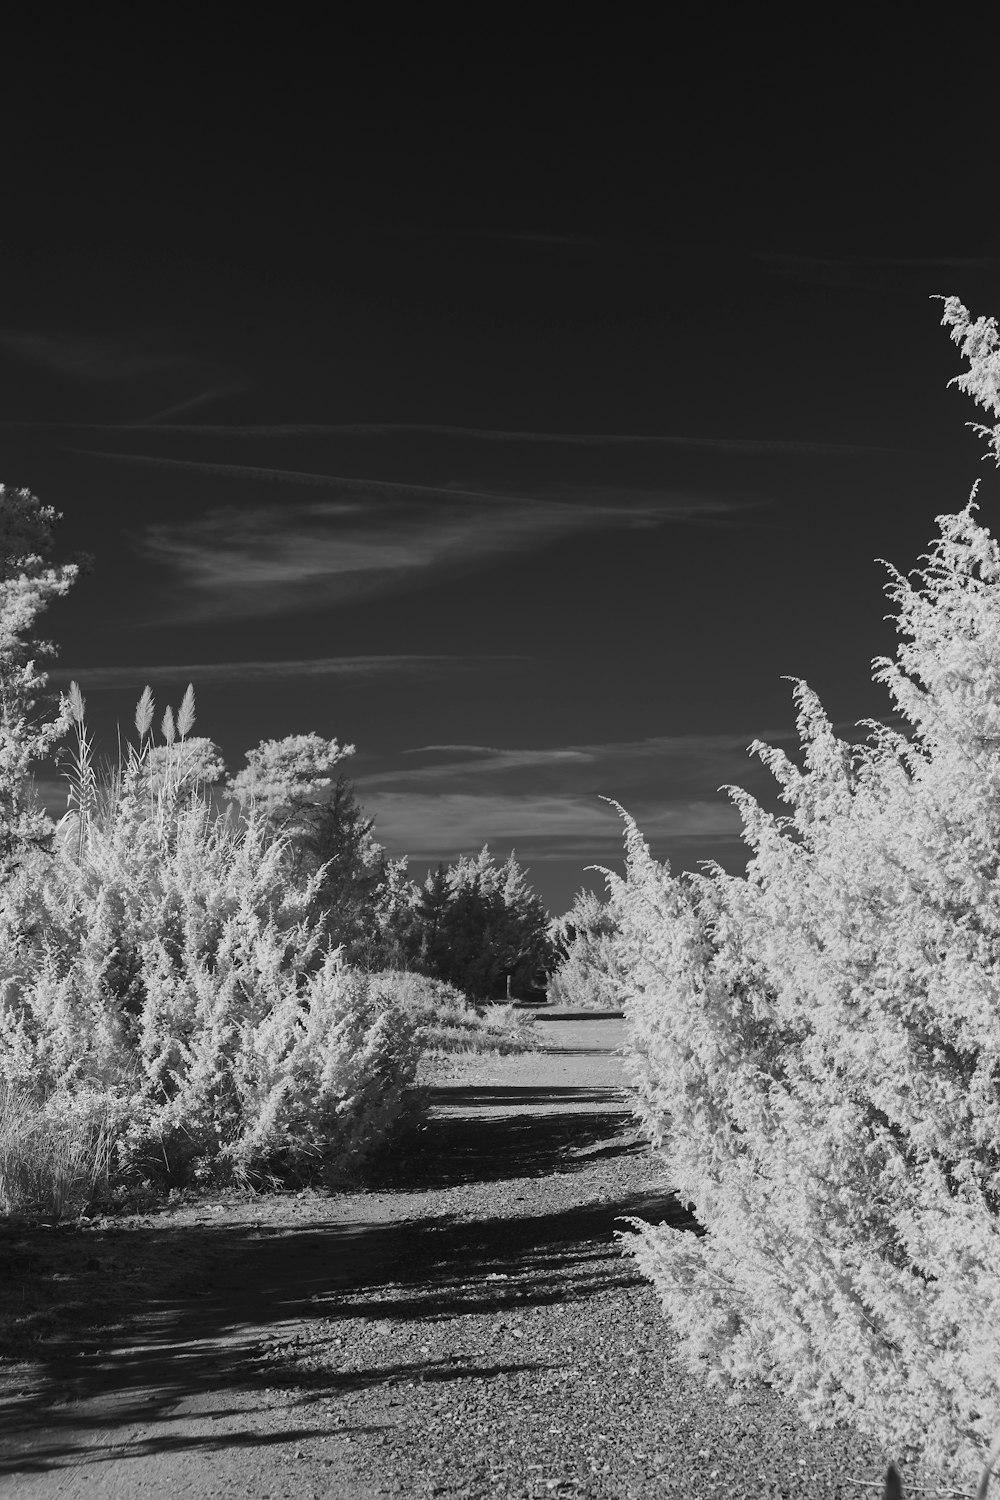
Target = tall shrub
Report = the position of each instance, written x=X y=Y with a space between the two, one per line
x=167 y=963
x=816 y=1045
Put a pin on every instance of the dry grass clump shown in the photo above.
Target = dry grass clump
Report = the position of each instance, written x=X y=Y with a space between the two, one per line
x=54 y=1163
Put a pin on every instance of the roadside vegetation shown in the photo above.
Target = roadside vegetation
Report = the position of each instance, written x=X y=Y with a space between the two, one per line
x=211 y=980
x=815 y=1044
x=446 y=1023
x=221 y=981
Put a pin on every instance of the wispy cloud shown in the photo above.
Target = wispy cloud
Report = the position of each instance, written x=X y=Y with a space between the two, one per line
x=381 y=536
x=382 y=488
x=87 y=358
x=202 y=398
x=263 y=430
x=682 y=760
x=549 y=802
x=442 y=826
x=261 y=671
x=486 y=758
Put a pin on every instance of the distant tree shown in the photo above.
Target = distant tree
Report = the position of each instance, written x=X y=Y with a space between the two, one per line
x=290 y=782
x=588 y=918
x=591 y=972
x=472 y=927
x=355 y=879
x=32 y=720
x=386 y=941
x=428 y=933
x=528 y=951
x=476 y=923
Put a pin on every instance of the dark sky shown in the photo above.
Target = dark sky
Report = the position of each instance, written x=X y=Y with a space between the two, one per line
x=519 y=410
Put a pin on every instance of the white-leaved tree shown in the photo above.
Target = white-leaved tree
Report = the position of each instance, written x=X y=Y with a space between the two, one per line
x=296 y=785
x=590 y=974
x=32 y=721
x=289 y=780
x=816 y=1044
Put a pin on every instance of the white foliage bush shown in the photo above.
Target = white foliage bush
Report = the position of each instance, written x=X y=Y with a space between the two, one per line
x=816 y=1048
x=161 y=957
x=591 y=975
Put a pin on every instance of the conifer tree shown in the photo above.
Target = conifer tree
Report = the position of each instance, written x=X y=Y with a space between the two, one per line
x=477 y=923
x=428 y=937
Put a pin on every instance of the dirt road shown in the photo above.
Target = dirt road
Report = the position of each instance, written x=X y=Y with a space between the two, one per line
x=469 y=1327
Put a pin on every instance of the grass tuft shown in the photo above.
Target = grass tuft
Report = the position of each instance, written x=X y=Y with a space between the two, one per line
x=53 y=1163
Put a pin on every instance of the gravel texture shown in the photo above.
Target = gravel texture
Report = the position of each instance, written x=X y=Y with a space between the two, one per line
x=469 y=1327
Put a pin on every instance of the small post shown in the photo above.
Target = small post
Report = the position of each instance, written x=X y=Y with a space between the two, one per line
x=508 y=989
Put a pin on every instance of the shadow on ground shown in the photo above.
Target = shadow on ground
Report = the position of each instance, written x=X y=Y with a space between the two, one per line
x=211 y=1287
x=487 y=1134
x=573 y=1051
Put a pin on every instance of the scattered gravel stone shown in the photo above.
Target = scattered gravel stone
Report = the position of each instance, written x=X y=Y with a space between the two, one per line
x=468 y=1328
x=511 y=1349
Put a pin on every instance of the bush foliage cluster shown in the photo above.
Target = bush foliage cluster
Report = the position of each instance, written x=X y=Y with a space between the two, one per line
x=160 y=960
x=200 y=974
x=591 y=973
x=815 y=1045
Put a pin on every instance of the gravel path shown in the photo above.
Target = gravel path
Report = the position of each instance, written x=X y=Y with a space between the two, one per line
x=469 y=1328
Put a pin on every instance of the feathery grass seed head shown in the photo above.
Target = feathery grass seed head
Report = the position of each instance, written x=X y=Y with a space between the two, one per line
x=185 y=714
x=144 y=712
x=77 y=704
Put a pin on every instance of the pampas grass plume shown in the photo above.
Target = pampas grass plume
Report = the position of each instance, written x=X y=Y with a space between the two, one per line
x=77 y=704
x=185 y=714
x=144 y=712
